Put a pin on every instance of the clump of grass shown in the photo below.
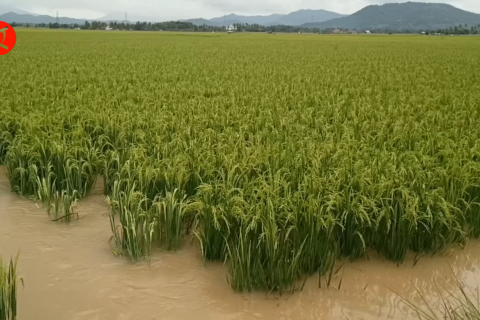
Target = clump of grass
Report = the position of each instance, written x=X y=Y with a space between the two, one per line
x=8 y=289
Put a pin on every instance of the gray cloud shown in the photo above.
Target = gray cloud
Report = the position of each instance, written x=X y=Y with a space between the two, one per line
x=178 y=9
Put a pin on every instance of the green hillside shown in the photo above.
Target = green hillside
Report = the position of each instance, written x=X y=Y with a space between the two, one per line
x=399 y=16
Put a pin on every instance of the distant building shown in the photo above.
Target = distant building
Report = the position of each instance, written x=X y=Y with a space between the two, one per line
x=231 y=28
x=108 y=28
x=367 y=32
x=336 y=31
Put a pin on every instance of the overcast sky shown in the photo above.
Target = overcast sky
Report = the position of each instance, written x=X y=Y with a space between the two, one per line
x=185 y=9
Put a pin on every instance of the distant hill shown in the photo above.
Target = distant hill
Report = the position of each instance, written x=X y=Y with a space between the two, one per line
x=304 y=16
x=202 y=21
x=294 y=19
x=248 y=19
x=11 y=17
x=120 y=17
x=401 y=16
x=6 y=9
x=199 y=22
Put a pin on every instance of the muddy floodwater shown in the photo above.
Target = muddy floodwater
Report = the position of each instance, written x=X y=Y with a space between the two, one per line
x=71 y=274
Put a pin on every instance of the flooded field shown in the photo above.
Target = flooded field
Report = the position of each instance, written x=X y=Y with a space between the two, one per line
x=332 y=146
x=70 y=273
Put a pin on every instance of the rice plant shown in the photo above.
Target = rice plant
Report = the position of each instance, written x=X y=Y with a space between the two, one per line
x=8 y=289
x=131 y=222
x=170 y=219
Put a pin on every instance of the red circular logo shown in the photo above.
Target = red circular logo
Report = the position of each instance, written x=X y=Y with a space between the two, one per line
x=8 y=38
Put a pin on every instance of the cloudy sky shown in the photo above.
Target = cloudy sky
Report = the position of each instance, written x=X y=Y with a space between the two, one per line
x=185 y=9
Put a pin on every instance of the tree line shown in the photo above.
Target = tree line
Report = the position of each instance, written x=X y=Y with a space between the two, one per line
x=462 y=29
x=176 y=26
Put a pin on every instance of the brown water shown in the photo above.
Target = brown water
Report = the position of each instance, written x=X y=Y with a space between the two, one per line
x=70 y=273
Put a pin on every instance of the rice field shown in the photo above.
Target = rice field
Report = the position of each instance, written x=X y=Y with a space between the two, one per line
x=279 y=154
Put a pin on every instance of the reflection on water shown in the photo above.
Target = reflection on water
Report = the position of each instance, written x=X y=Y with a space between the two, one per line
x=70 y=273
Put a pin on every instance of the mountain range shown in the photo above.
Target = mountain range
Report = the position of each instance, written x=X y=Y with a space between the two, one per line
x=120 y=17
x=402 y=16
x=393 y=16
x=292 y=19
x=6 y=9
x=11 y=17
x=295 y=18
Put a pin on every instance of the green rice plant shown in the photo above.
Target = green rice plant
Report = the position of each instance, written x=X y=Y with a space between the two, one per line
x=354 y=221
x=282 y=238
x=59 y=205
x=254 y=267
x=73 y=170
x=132 y=224
x=439 y=225
x=396 y=222
x=46 y=191
x=170 y=219
x=21 y=172
x=316 y=227
x=5 y=141
x=8 y=289
x=111 y=167
x=69 y=201
x=212 y=227
x=473 y=211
